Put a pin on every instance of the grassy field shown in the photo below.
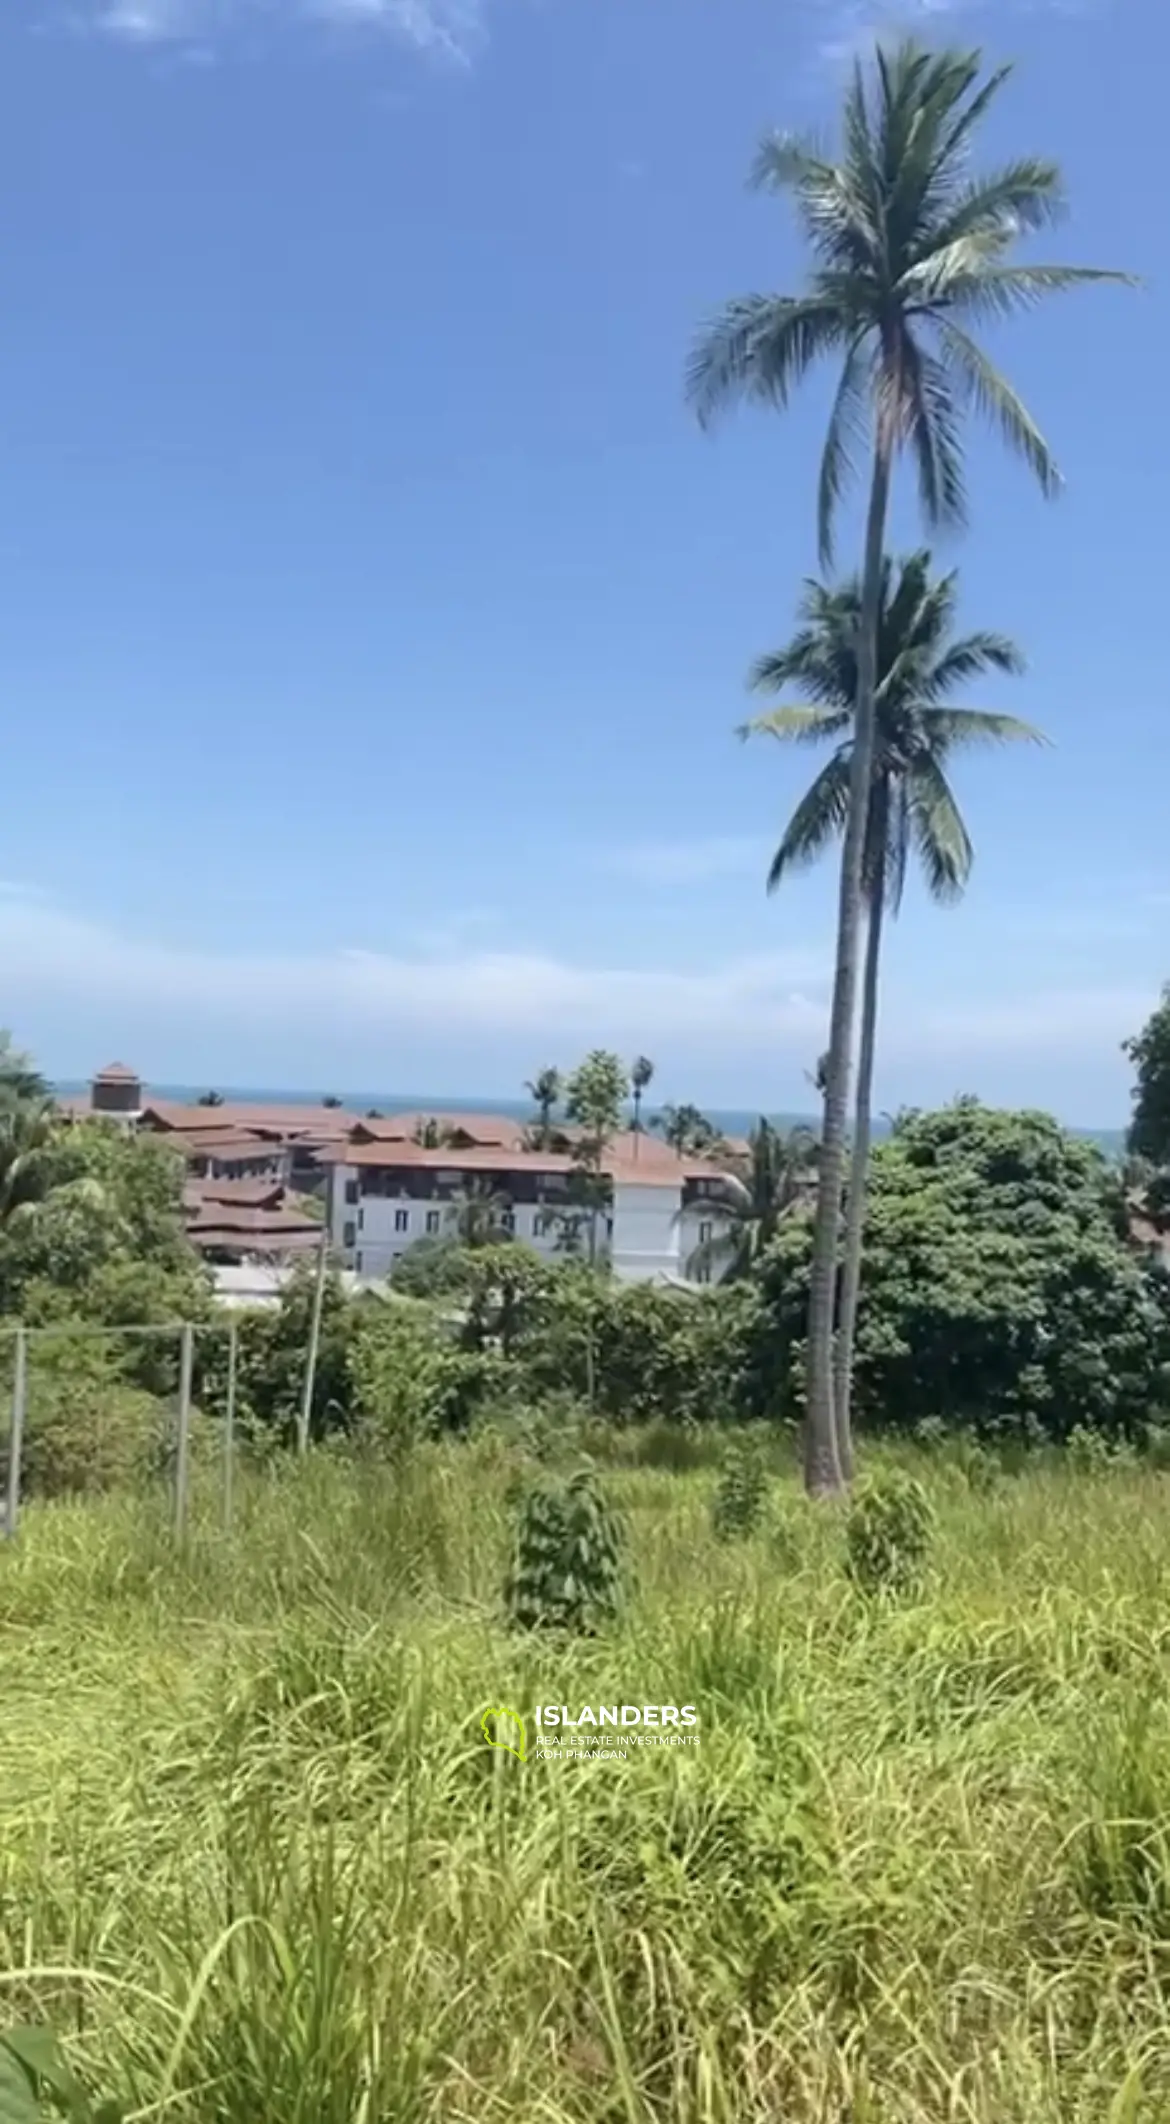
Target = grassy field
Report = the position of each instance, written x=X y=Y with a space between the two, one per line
x=257 y=1862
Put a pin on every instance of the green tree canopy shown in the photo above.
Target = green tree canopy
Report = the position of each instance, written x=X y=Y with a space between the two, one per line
x=1002 y=1292
x=1149 y=1051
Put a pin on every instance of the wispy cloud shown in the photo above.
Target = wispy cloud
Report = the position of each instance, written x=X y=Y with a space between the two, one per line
x=845 y=29
x=664 y=863
x=49 y=954
x=740 y=1017
x=453 y=27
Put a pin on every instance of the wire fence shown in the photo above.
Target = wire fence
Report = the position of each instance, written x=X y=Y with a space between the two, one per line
x=19 y=1342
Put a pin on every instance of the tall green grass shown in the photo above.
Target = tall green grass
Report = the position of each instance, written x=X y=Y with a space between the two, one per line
x=258 y=1865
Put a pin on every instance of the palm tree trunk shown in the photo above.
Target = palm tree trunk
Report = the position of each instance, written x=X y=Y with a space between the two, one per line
x=822 y=1466
x=855 y=1193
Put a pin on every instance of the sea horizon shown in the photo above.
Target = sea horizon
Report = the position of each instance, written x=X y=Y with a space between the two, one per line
x=733 y=1121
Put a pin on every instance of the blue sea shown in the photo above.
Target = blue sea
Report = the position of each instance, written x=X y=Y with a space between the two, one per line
x=734 y=1121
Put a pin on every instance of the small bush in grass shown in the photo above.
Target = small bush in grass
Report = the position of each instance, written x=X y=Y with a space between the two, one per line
x=931 y=1434
x=738 y=1504
x=567 y=1571
x=36 y=2081
x=981 y=1469
x=888 y=1534
x=1156 y=1443
x=1088 y=1452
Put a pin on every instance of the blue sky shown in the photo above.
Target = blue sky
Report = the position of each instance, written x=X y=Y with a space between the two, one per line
x=373 y=617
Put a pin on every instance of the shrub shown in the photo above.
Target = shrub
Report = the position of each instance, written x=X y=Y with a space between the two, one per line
x=1088 y=1453
x=981 y=1468
x=567 y=1570
x=740 y=1492
x=887 y=1535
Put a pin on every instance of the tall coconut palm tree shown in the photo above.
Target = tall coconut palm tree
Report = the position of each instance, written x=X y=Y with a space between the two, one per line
x=755 y=1196
x=920 y=665
x=545 y=1091
x=911 y=249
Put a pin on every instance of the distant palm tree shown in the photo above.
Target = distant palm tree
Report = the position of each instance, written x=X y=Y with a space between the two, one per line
x=756 y=1194
x=686 y=1130
x=912 y=805
x=433 y=1135
x=910 y=250
x=480 y=1214
x=545 y=1090
x=25 y=1131
x=641 y=1074
x=210 y=1098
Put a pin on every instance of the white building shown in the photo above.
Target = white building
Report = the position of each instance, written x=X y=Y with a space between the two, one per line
x=387 y=1191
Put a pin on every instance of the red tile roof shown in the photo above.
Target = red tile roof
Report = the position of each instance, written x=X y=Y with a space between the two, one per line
x=241 y=1194
x=314 y=1123
x=631 y=1161
x=486 y=1130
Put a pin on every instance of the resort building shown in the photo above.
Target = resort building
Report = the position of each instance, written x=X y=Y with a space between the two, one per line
x=387 y=1189
x=381 y=1184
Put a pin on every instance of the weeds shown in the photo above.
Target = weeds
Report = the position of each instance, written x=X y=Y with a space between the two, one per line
x=257 y=1865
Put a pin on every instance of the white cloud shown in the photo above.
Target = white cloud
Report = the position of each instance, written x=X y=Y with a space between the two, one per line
x=688 y=862
x=1088 y=1021
x=749 y=1002
x=450 y=26
x=759 y=1018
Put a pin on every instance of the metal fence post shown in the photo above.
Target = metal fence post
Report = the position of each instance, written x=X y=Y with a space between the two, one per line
x=306 y=1415
x=183 y=1441
x=229 y=1424
x=16 y=1433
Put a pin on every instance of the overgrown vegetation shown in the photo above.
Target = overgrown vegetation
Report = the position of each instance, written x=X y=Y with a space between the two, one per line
x=257 y=1862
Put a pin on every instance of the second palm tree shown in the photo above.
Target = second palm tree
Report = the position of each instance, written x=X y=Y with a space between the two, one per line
x=911 y=804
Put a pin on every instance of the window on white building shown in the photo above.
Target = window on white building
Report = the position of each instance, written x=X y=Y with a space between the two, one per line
x=349 y=1235
x=432 y=1220
x=402 y=1220
x=351 y=1190
x=508 y=1221
x=359 y=1264
x=706 y=1233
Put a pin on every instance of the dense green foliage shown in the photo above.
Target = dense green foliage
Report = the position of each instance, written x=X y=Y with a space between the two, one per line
x=915 y=1870
x=887 y=1535
x=566 y=1573
x=1149 y=1051
x=1001 y=1292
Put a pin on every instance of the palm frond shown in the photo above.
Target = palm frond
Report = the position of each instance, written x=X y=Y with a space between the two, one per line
x=800 y=726
x=1025 y=194
x=928 y=414
x=816 y=822
x=759 y=347
x=993 y=395
x=983 y=289
x=937 y=830
x=844 y=429
x=953 y=727
x=968 y=659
